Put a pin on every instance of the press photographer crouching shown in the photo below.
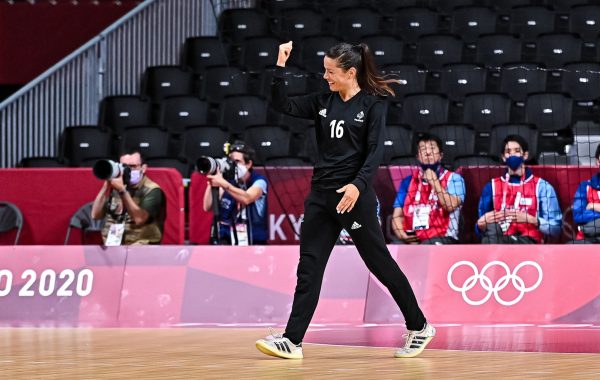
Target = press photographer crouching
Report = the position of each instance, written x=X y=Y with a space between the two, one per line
x=133 y=205
x=241 y=215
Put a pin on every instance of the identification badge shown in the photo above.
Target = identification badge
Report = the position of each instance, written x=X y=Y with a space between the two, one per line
x=242 y=234
x=421 y=217
x=115 y=235
x=505 y=225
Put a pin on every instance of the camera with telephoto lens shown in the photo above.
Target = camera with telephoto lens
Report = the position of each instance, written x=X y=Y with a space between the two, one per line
x=209 y=165
x=108 y=169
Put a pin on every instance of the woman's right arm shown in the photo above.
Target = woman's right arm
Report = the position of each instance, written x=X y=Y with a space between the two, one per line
x=305 y=106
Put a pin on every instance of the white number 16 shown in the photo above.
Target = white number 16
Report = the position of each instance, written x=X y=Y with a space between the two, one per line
x=337 y=131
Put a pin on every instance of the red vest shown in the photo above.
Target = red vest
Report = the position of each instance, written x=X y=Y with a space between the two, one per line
x=593 y=196
x=521 y=196
x=421 y=193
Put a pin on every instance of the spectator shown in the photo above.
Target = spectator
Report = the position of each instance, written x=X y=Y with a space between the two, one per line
x=135 y=211
x=586 y=208
x=428 y=203
x=243 y=204
x=518 y=207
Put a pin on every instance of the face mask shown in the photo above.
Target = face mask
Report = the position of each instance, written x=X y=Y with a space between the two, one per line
x=241 y=171
x=136 y=177
x=433 y=167
x=514 y=162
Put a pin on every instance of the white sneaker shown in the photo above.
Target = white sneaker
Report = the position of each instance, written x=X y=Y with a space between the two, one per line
x=278 y=346
x=416 y=341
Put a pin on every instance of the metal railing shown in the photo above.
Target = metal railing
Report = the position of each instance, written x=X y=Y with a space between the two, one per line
x=69 y=93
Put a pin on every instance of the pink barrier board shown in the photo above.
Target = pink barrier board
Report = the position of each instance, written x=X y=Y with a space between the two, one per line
x=168 y=286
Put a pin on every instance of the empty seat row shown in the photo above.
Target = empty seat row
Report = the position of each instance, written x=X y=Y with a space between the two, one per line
x=408 y=22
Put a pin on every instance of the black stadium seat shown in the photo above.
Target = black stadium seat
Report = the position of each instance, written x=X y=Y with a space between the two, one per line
x=204 y=140
x=178 y=112
x=556 y=49
x=219 y=82
x=119 y=112
x=494 y=50
x=397 y=142
x=85 y=142
x=239 y=112
x=414 y=22
x=268 y=141
x=459 y=79
x=237 y=24
x=530 y=21
x=472 y=21
x=420 y=111
x=457 y=140
x=162 y=81
x=352 y=24
x=202 y=52
x=520 y=79
x=436 y=50
x=148 y=140
x=260 y=52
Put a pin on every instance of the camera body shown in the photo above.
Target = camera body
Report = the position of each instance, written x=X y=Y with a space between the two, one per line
x=109 y=169
x=210 y=165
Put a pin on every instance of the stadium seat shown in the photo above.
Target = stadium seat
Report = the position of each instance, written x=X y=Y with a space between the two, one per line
x=499 y=132
x=437 y=50
x=529 y=21
x=312 y=52
x=178 y=112
x=239 y=112
x=268 y=141
x=119 y=112
x=521 y=79
x=82 y=220
x=445 y=6
x=397 y=142
x=420 y=111
x=202 y=52
x=552 y=114
x=85 y=142
x=11 y=218
x=414 y=22
x=296 y=81
x=563 y=6
x=581 y=80
x=150 y=141
x=259 y=53
x=552 y=159
x=162 y=81
x=494 y=50
x=412 y=79
x=42 y=162
x=387 y=50
x=486 y=109
x=504 y=7
x=556 y=49
x=459 y=79
x=278 y=7
x=221 y=81
x=295 y=124
x=475 y=160
x=237 y=24
x=457 y=140
x=204 y=140
x=352 y=24
x=584 y=20
x=295 y=24
x=586 y=136
x=470 y=22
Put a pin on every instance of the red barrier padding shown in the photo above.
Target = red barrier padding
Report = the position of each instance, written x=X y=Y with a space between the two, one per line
x=48 y=198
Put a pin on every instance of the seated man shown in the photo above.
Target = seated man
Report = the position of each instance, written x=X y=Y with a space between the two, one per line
x=243 y=203
x=518 y=207
x=586 y=208
x=135 y=212
x=428 y=203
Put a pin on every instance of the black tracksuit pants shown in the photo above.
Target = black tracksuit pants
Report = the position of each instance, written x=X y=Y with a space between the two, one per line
x=318 y=234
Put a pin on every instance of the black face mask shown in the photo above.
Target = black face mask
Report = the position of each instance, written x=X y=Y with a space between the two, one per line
x=433 y=167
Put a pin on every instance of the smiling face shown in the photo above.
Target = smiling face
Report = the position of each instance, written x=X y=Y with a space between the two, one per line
x=338 y=79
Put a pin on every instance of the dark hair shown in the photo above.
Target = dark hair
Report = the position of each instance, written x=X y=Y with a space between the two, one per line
x=429 y=137
x=360 y=57
x=246 y=150
x=516 y=138
x=597 y=155
x=129 y=152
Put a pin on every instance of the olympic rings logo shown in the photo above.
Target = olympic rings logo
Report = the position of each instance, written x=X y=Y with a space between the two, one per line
x=494 y=289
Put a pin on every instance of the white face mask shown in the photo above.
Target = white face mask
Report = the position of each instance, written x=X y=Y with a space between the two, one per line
x=136 y=177
x=242 y=170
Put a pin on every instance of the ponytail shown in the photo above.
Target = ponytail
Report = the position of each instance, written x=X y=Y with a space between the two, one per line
x=360 y=57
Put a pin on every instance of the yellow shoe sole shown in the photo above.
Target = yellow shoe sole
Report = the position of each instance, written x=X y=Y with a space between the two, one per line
x=266 y=349
x=416 y=353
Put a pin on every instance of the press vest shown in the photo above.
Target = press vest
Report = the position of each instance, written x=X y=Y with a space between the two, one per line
x=521 y=196
x=420 y=193
x=149 y=233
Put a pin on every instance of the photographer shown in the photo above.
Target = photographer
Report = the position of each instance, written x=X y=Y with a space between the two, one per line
x=243 y=203
x=134 y=206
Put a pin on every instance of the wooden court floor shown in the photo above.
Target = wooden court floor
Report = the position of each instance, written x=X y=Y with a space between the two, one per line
x=229 y=353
